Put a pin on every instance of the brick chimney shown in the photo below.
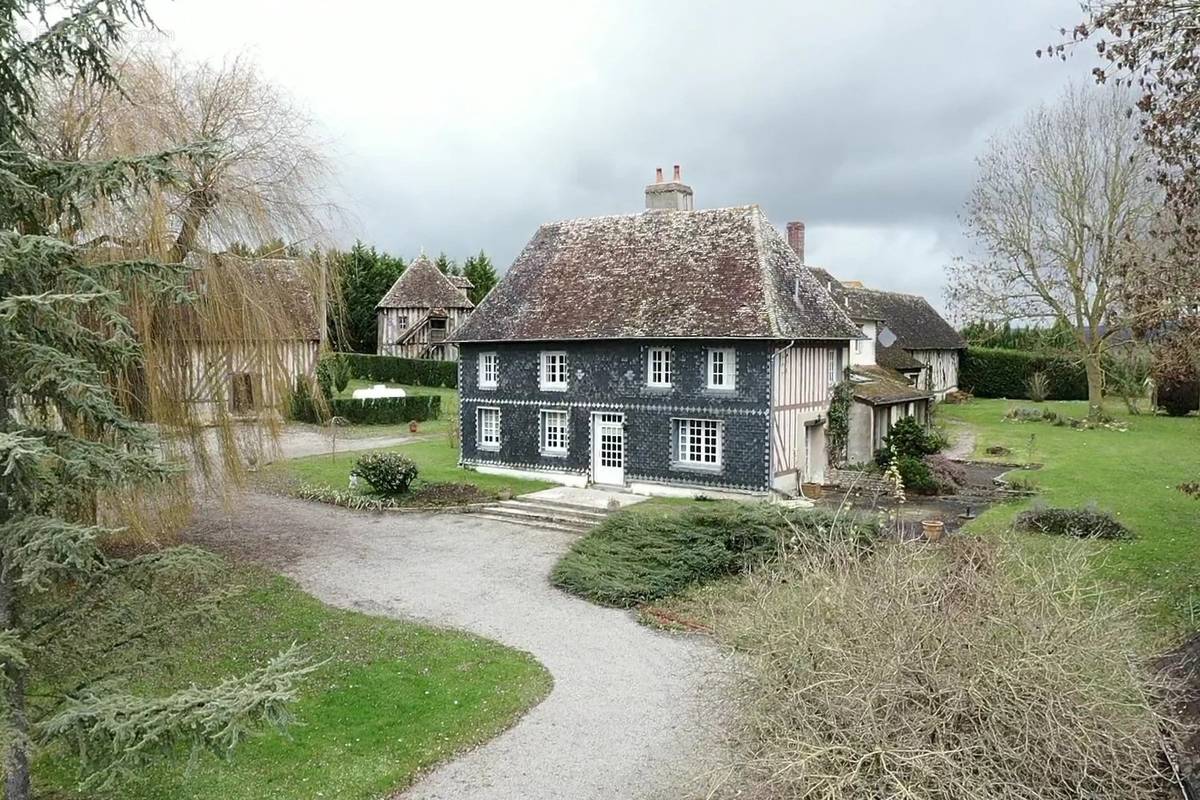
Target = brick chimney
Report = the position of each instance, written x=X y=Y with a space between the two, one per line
x=672 y=195
x=795 y=233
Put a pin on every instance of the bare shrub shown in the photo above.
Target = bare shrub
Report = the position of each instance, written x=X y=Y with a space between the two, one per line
x=940 y=673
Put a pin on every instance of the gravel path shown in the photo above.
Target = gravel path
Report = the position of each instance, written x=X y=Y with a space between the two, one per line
x=632 y=713
x=963 y=446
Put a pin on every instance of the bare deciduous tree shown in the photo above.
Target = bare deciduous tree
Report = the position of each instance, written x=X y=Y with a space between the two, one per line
x=1061 y=204
x=263 y=176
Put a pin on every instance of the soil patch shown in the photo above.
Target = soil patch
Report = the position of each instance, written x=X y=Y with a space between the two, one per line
x=447 y=494
x=979 y=492
x=1186 y=659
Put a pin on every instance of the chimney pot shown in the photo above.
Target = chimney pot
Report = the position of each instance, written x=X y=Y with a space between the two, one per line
x=672 y=196
x=795 y=236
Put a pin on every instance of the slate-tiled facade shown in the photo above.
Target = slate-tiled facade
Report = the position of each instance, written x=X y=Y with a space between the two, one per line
x=611 y=376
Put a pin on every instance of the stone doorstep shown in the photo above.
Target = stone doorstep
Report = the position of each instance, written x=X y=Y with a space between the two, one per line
x=596 y=500
x=553 y=510
x=532 y=521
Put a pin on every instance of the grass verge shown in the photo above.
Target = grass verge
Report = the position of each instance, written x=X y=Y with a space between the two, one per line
x=392 y=699
x=1132 y=474
x=436 y=459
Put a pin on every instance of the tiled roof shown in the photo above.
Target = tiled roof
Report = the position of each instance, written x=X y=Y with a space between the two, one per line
x=287 y=282
x=712 y=273
x=422 y=285
x=880 y=386
x=916 y=324
x=896 y=357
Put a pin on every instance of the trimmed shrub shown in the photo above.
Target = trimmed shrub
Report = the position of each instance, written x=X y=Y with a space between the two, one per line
x=376 y=411
x=410 y=371
x=387 y=473
x=1082 y=523
x=389 y=410
x=994 y=372
x=341 y=372
x=1179 y=397
x=633 y=556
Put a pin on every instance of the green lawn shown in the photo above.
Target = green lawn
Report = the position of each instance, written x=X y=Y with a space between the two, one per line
x=393 y=699
x=1132 y=474
x=436 y=458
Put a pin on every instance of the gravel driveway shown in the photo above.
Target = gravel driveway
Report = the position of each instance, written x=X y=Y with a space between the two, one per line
x=632 y=713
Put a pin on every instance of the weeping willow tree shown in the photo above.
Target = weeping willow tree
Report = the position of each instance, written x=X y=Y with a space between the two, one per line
x=77 y=319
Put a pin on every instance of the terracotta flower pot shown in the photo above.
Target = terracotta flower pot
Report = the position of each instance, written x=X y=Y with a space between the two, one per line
x=412 y=426
x=933 y=529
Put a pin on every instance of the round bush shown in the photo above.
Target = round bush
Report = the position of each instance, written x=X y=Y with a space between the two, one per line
x=387 y=473
x=1082 y=523
x=1179 y=397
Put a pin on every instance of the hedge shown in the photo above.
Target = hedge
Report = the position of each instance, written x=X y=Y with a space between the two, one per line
x=996 y=372
x=409 y=371
x=376 y=411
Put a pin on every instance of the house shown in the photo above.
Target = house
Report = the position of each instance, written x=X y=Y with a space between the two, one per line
x=671 y=351
x=884 y=378
x=422 y=309
x=227 y=374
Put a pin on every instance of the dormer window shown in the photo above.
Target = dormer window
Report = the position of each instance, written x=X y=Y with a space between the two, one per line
x=553 y=375
x=722 y=368
x=658 y=368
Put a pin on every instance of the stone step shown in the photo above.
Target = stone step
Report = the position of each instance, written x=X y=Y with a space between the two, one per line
x=532 y=521
x=556 y=510
x=541 y=515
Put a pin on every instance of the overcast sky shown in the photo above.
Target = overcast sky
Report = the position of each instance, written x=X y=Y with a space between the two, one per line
x=459 y=126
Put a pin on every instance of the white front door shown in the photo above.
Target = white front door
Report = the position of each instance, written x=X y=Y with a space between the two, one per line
x=608 y=448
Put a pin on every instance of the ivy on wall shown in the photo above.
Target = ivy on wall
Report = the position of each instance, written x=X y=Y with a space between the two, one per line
x=837 y=430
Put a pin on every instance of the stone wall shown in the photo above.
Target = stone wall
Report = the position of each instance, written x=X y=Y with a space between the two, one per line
x=857 y=480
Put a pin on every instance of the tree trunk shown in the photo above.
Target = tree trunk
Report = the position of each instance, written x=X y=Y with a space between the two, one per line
x=1095 y=384
x=16 y=759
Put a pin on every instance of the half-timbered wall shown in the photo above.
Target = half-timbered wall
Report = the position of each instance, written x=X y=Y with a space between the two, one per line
x=803 y=377
x=396 y=323
x=244 y=378
x=940 y=375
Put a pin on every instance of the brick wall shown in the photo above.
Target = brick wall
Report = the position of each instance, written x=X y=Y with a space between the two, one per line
x=611 y=376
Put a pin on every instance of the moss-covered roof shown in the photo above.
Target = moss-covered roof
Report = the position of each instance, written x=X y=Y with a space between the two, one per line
x=712 y=273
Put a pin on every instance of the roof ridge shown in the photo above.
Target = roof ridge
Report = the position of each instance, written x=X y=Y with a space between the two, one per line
x=649 y=211
x=764 y=268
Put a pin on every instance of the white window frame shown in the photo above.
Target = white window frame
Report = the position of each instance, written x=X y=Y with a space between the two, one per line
x=564 y=434
x=681 y=433
x=728 y=369
x=667 y=376
x=544 y=381
x=484 y=383
x=831 y=368
x=480 y=441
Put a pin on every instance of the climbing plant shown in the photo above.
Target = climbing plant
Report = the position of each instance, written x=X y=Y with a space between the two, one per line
x=837 y=434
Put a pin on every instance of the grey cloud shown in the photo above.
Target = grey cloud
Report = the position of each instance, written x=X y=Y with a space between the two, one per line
x=864 y=115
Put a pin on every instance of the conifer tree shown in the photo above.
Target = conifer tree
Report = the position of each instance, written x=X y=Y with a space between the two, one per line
x=74 y=619
x=482 y=274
